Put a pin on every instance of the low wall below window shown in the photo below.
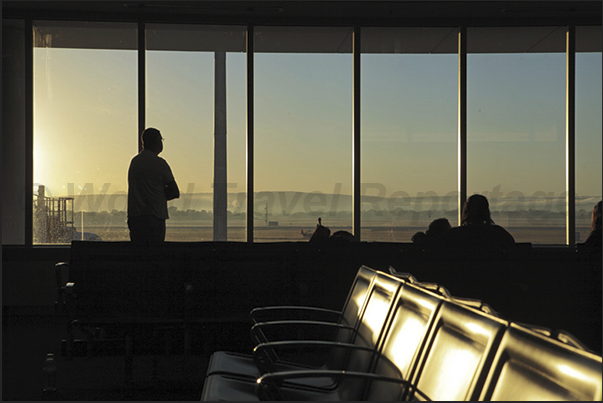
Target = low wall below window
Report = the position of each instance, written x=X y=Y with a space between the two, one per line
x=558 y=288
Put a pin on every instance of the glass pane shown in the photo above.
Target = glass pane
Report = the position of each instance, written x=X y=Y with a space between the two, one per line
x=516 y=128
x=303 y=126
x=181 y=90
x=85 y=129
x=588 y=127
x=409 y=130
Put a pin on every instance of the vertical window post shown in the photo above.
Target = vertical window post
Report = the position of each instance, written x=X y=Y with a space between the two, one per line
x=356 y=202
x=142 y=48
x=250 y=173
x=220 y=186
x=570 y=135
x=29 y=49
x=462 y=121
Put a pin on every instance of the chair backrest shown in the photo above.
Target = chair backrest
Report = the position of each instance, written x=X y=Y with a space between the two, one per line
x=413 y=314
x=456 y=358
x=374 y=319
x=354 y=307
x=355 y=302
x=377 y=307
x=530 y=366
x=350 y=314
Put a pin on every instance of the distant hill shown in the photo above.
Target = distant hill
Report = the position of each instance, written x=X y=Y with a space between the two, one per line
x=286 y=203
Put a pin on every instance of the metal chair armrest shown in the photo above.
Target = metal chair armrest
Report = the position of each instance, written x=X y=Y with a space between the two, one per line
x=267 y=384
x=258 y=336
x=257 y=314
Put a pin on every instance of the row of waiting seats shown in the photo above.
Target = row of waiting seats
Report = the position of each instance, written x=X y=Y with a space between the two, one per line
x=398 y=339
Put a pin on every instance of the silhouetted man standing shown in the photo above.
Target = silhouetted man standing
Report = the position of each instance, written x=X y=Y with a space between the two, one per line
x=150 y=185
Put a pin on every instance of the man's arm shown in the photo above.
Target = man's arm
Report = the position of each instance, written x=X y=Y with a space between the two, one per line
x=171 y=190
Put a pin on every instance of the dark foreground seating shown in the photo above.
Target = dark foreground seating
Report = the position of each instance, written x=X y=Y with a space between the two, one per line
x=359 y=352
x=124 y=300
x=432 y=347
x=340 y=326
x=185 y=298
x=192 y=298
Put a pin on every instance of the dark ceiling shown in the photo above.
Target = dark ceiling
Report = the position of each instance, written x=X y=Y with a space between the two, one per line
x=343 y=12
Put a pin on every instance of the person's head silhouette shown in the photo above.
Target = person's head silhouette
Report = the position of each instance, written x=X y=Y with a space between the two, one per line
x=437 y=227
x=152 y=140
x=476 y=210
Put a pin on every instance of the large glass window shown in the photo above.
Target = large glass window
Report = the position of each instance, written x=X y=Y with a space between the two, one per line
x=409 y=115
x=85 y=129
x=195 y=95
x=303 y=131
x=516 y=128
x=588 y=126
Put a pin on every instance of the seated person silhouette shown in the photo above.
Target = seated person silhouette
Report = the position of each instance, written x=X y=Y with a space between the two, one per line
x=436 y=228
x=477 y=230
x=341 y=237
x=321 y=233
x=593 y=242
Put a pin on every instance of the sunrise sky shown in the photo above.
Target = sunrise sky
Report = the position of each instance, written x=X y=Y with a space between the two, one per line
x=85 y=121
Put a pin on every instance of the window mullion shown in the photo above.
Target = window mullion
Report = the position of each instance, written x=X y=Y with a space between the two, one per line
x=142 y=48
x=570 y=136
x=356 y=180
x=462 y=121
x=29 y=125
x=250 y=139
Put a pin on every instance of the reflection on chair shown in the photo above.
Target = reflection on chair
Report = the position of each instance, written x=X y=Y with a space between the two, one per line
x=531 y=366
x=455 y=361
